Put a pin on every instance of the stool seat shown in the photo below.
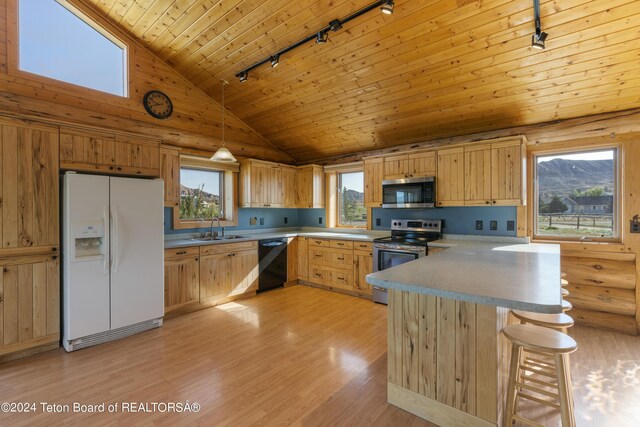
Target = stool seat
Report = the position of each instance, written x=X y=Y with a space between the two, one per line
x=566 y=305
x=563 y=283
x=555 y=321
x=563 y=275
x=565 y=293
x=540 y=338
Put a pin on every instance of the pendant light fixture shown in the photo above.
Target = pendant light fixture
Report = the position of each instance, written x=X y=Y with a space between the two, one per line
x=537 y=40
x=223 y=154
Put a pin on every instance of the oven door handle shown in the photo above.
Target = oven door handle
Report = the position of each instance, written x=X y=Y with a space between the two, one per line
x=402 y=251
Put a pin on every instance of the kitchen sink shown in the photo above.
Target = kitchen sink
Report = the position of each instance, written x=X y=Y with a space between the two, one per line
x=217 y=238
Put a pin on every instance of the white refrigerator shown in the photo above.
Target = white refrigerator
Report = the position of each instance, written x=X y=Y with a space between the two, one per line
x=113 y=261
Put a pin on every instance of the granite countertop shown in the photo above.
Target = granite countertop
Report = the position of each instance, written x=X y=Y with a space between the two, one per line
x=178 y=241
x=512 y=275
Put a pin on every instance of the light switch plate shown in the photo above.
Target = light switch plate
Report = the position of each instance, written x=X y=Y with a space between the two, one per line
x=493 y=225
x=479 y=224
x=511 y=225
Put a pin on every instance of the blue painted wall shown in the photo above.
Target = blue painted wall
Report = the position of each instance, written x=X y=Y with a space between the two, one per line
x=310 y=217
x=273 y=218
x=458 y=220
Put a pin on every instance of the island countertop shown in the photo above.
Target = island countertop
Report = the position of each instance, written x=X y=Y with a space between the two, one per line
x=517 y=276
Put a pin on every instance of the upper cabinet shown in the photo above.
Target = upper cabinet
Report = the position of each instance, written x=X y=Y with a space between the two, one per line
x=170 y=174
x=412 y=165
x=373 y=176
x=451 y=177
x=260 y=184
x=289 y=185
x=29 y=190
x=495 y=173
x=92 y=151
x=310 y=187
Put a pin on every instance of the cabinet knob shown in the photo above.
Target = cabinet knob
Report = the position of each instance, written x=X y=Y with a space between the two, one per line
x=181 y=252
x=341 y=259
x=494 y=202
x=487 y=202
x=5 y=270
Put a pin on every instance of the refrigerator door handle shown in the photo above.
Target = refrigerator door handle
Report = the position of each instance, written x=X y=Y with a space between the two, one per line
x=105 y=218
x=114 y=238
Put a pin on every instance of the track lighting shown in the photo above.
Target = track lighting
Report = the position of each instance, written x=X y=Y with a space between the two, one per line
x=387 y=7
x=537 y=40
x=320 y=37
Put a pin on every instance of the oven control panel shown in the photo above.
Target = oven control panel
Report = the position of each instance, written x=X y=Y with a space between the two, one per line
x=434 y=225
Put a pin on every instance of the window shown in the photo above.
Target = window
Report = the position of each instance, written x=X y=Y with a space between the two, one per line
x=576 y=194
x=201 y=194
x=351 y=210
x=58 y=41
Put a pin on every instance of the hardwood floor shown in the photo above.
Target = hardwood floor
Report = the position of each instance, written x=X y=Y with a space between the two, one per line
x=294 y=356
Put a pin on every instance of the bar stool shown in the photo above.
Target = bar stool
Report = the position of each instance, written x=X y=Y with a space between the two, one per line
x=560 y=322
x=565 y=293
x=564 y=283
x=556 y=377
x=566 y=305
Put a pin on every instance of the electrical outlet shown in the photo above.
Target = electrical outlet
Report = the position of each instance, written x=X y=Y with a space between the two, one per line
x=261 y=221
x=253 y=220
x=493 y=225
x=286 y=220
x=511 y=225
x=479 y=224
x=378 y=222
x=320 y=220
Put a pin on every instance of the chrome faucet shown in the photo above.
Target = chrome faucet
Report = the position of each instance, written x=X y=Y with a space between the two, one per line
x=219 y=226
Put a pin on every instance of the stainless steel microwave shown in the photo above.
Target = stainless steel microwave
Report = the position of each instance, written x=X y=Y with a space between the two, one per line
x=409 y=192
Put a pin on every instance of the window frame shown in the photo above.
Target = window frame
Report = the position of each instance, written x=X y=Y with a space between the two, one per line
x=575 y=148
x=332 y=205
x=339 y=199
x=89 y=18
x=230 y=187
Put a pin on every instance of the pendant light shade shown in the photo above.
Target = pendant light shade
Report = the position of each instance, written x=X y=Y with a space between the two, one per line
x=223 y=154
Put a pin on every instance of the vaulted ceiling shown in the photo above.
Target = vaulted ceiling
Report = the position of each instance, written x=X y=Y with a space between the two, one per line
x=434 y=68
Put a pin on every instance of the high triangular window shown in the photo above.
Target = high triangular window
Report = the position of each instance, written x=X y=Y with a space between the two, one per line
x=56 y=40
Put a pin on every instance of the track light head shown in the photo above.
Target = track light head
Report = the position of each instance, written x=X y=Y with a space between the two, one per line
x=335 y=25
x=387 y=7
x=537 y=40
x=275 y=60
x=322 y=37
x=243 y=76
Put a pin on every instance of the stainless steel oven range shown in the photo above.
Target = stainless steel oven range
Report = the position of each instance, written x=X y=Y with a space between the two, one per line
x=408 y=241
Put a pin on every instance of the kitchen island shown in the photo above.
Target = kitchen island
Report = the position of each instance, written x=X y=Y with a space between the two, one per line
x=447 y=358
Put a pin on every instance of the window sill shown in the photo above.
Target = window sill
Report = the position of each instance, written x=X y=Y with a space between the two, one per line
x=597 y=246
x=184 y=224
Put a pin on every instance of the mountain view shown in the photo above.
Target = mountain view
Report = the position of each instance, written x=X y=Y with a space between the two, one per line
x=563 y=177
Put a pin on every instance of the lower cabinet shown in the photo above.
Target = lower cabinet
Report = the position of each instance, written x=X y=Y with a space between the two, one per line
x=29 y=303
x=340 y=264
x=199 y=276
x=181 y=277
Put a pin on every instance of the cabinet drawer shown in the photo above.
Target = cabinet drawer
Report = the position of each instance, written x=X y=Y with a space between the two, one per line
x=363 y=246
x=340 y=259
x=319 y=242
x=181 y=252
x=339 y=279
x=224 y=248
x=316 y=256
x=341 y=244
x=316 y=274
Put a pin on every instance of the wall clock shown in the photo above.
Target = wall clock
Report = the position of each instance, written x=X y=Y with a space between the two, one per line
x=157 y=104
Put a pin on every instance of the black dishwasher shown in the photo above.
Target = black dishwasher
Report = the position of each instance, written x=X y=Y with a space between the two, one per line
x=272 y=254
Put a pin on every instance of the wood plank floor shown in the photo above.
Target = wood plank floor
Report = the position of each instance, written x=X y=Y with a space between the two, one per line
x=294 y=356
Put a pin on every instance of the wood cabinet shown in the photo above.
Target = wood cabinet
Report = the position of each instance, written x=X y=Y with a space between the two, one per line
x=93 y=151
x=170 y=174
x=181 y=277
x=331 y=263
x=289 y=185
x=137 y=157
x=494 y=173
x=260 y=184
x=87 y=151
x=29 y=302
x=303 y=258
x=292 y=261
x=28 y=186
x=450 y=177
x=373 y=177
x=363 y=257
x=228 y=270
x=414 y=165
x=310 y=187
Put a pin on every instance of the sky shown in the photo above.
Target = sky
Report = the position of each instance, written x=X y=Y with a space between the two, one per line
x=594 y=155
x=353 y=181
x=194 y=178
x=57 y=44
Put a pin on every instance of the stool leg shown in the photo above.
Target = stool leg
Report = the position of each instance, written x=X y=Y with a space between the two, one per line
x=516 y=354
x=565 y=391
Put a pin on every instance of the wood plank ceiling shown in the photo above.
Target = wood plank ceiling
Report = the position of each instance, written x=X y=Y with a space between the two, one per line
x=434 y=68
